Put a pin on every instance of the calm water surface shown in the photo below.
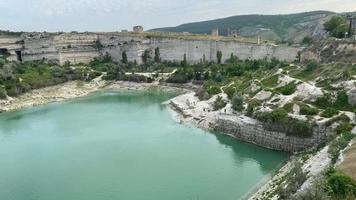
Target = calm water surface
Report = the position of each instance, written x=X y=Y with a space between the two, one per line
x=122 y=146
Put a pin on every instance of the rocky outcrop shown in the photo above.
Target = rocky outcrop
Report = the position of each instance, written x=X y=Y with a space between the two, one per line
x=225 y=121
x=250 y=130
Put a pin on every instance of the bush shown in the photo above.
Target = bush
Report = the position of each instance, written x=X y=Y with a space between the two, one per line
x=251 y=106
x=307 y=40
x=341 y=186
x=294 y=179
x=336 y=26
x=2 y=93
x=342 y=102
x=137 y=78
x=329 y=112
x=311 y=66
x=307 y=110
x=288 y=89
x=339 y=144
x=323 y=101
x=230 y=91
x=278 y=120
x=237 y=102
x=179 y=77
x=219 y=103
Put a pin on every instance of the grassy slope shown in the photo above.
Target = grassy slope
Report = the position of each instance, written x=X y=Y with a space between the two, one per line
x=280 y=25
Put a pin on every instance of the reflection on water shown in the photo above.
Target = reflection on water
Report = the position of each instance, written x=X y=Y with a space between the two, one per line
x=122 y=146
x=251 y=152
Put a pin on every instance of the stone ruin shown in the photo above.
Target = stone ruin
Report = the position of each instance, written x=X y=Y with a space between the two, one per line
x=137 y=29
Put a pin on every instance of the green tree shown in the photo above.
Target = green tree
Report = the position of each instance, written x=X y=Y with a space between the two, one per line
x=157 y=57
x=336 y=26
x=307 y=40
x=184 y=63
x=146 y=56
x=219 y=56
x=124 y=57
x=237 y=102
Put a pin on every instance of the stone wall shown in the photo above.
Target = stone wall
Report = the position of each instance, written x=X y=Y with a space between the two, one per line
x=84 y=47
x=252 y=131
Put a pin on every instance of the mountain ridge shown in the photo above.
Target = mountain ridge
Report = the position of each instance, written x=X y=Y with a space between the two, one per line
x=282 y=27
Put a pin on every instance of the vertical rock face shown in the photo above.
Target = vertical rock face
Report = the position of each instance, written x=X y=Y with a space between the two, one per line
x=84 y=47
x=252 y=131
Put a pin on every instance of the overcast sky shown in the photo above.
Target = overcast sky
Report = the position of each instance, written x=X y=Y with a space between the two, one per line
x=113 y=15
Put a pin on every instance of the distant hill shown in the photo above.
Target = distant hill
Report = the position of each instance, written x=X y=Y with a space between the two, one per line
x=289 y=27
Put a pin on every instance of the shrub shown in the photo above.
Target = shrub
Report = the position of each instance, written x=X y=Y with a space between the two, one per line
x=294 y=179
x=341 y=186
x=179 y=77
x=2 y=93
x=219 y=103
x=278 y=120
x=287 y=89
x=323 y=101
x=311 y=66
x=344 y=127
x=307 y=40
x=329 y=112
x=237 y=102
x=212 y=88
x=271 y=81
x=230 y=91
x=307 y=110
x=342 y=102
x=339 y=144
x=336 y=26
x=251 y=106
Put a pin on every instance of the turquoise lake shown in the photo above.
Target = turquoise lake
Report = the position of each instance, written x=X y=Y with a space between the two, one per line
x=123 y=145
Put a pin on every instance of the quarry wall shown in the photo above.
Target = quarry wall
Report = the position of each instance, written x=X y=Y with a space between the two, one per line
x=255 y=133
x=82 y=48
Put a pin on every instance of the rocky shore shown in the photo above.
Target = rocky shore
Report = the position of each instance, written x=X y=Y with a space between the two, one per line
x=74 y=89
x=202 y=114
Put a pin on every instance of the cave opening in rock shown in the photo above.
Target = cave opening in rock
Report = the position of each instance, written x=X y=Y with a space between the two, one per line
x=18 y=56
x=4 y=52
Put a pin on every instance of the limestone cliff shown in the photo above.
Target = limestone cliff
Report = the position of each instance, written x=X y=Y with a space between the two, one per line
x=83 y=47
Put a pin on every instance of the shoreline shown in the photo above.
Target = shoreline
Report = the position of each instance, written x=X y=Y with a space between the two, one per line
x=75 y=89
x=203 y=117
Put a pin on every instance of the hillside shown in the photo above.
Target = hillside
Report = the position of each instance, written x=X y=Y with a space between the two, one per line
x=289 y=27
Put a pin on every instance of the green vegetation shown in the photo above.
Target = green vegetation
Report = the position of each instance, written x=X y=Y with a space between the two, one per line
x=157 y=57
x=331 y=107
x=279 y=27
x=251 y=107
x=337 y=26
x=237 y=102
x=271 y=81
x=293 y=180
x=288 y=89
x=329 y=112
x=307 y=110
x=124 y=57
x=219 y=56
x=307 y=40
x=219 y=103
x=230 y=91
x=278 y=120
x=339 y=144
x=341 y=186
x=18 y=78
